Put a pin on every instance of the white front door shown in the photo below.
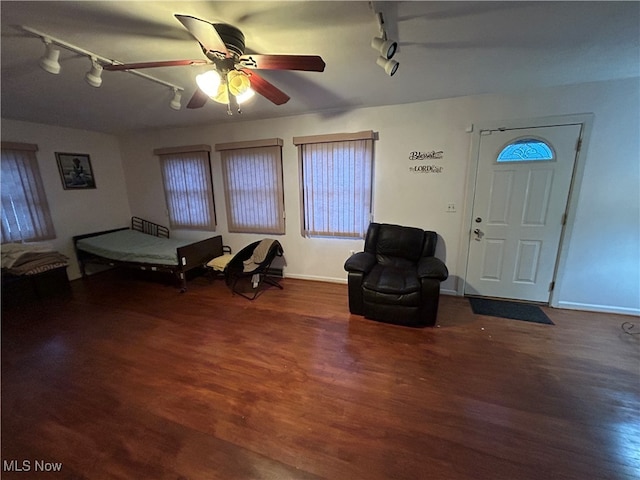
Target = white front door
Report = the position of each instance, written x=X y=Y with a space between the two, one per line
x=518 y=211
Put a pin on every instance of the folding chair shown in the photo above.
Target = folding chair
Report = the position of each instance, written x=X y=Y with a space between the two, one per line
x=253 y=262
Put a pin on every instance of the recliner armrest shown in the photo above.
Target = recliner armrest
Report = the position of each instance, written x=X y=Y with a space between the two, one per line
x=432 y=267
x=360 y=262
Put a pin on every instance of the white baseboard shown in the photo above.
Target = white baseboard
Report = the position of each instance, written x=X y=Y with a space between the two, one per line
x=316 y=278
x=598 y=308
x=343 y=281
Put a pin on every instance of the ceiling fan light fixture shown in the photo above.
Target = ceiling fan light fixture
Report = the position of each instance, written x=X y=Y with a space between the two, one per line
x=386 y=48
x=389 y=66
x=94 y=75
x=221 y=95
x=49 y=61
x=176 y=101
x=246 y=95
x=238 y=82
x=209 y=82
x=239 y=86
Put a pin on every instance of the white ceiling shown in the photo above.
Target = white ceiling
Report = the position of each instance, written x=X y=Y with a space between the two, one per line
x=447 y=49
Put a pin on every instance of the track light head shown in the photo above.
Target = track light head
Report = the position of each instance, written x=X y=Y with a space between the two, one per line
x=49 y=61
x=386 y=48
x=390 y=66
x=94 y=76
x=175 y=102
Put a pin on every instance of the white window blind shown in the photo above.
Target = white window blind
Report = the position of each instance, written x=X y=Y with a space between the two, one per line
x=25 y=211
x=188 y=188
x=336 y=184
x=254 y=193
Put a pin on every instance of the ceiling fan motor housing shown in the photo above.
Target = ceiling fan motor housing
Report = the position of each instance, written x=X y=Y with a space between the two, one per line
x=232 y=38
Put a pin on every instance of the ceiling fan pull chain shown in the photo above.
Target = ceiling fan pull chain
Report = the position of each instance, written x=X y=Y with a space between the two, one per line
x=229 y=96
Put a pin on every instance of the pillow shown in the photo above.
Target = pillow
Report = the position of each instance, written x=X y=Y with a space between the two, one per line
x=220 y=263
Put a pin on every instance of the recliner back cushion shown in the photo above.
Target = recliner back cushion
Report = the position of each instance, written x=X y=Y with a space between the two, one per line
x=431 y=239
x=399 y=242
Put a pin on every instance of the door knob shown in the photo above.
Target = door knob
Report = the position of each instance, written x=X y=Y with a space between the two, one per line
x=478 y=234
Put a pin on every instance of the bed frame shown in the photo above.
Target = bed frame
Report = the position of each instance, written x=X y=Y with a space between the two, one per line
x=194 y=255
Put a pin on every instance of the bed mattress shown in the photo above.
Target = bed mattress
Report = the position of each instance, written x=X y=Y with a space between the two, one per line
x=133 y=246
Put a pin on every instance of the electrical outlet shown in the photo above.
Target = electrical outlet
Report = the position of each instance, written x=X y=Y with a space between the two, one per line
x=451 y=208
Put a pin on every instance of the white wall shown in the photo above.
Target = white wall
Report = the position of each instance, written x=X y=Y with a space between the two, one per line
x=76 y=212
x=602 y=269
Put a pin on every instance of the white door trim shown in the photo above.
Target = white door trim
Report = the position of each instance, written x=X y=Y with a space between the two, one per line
x=584 y=119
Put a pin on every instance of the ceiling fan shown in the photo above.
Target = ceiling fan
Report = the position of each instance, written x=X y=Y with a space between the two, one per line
x=233 y=77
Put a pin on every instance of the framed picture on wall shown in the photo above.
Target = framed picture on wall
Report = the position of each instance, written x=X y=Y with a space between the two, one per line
x=75 y=171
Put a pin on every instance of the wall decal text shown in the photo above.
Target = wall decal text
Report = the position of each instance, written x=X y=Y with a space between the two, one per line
x=426 y=169
x=426 y=155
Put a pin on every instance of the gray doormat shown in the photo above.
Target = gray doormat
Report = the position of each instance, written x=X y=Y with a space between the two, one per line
x=508 y=309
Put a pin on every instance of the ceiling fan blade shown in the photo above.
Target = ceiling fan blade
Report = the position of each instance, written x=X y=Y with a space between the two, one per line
x=266 y=89
x=198 y=99
x=167 y=63
x=308 y=63
x=205 y=33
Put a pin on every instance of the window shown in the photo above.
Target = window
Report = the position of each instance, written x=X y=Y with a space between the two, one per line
x=336 y=184
x=526 y=150
x=253 y=191
x=186 y=173
x=25 y=211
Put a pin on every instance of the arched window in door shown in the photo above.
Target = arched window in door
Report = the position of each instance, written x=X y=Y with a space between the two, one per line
x=526 y=150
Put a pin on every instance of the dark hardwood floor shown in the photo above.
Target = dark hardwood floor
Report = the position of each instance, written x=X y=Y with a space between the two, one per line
x=129 y=379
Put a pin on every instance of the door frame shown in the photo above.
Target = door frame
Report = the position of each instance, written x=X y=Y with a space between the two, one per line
x=583 y=119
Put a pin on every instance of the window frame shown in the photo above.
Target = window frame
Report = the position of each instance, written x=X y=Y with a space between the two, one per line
x=366 y=212
x=37 y=212
x=273 y=198
x=207 y=205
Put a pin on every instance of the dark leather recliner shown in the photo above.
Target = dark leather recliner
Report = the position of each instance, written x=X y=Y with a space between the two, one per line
x=397 y=278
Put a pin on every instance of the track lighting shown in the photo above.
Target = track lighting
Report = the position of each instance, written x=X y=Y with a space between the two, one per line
x=49 y=61
x=94 y=76
x=390 y=66
x=387 y=48
x=175 y=102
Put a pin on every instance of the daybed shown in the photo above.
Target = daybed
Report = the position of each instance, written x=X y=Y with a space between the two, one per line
x=146 y=246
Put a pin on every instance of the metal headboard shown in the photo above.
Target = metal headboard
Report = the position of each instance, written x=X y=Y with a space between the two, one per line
x=150 y=228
